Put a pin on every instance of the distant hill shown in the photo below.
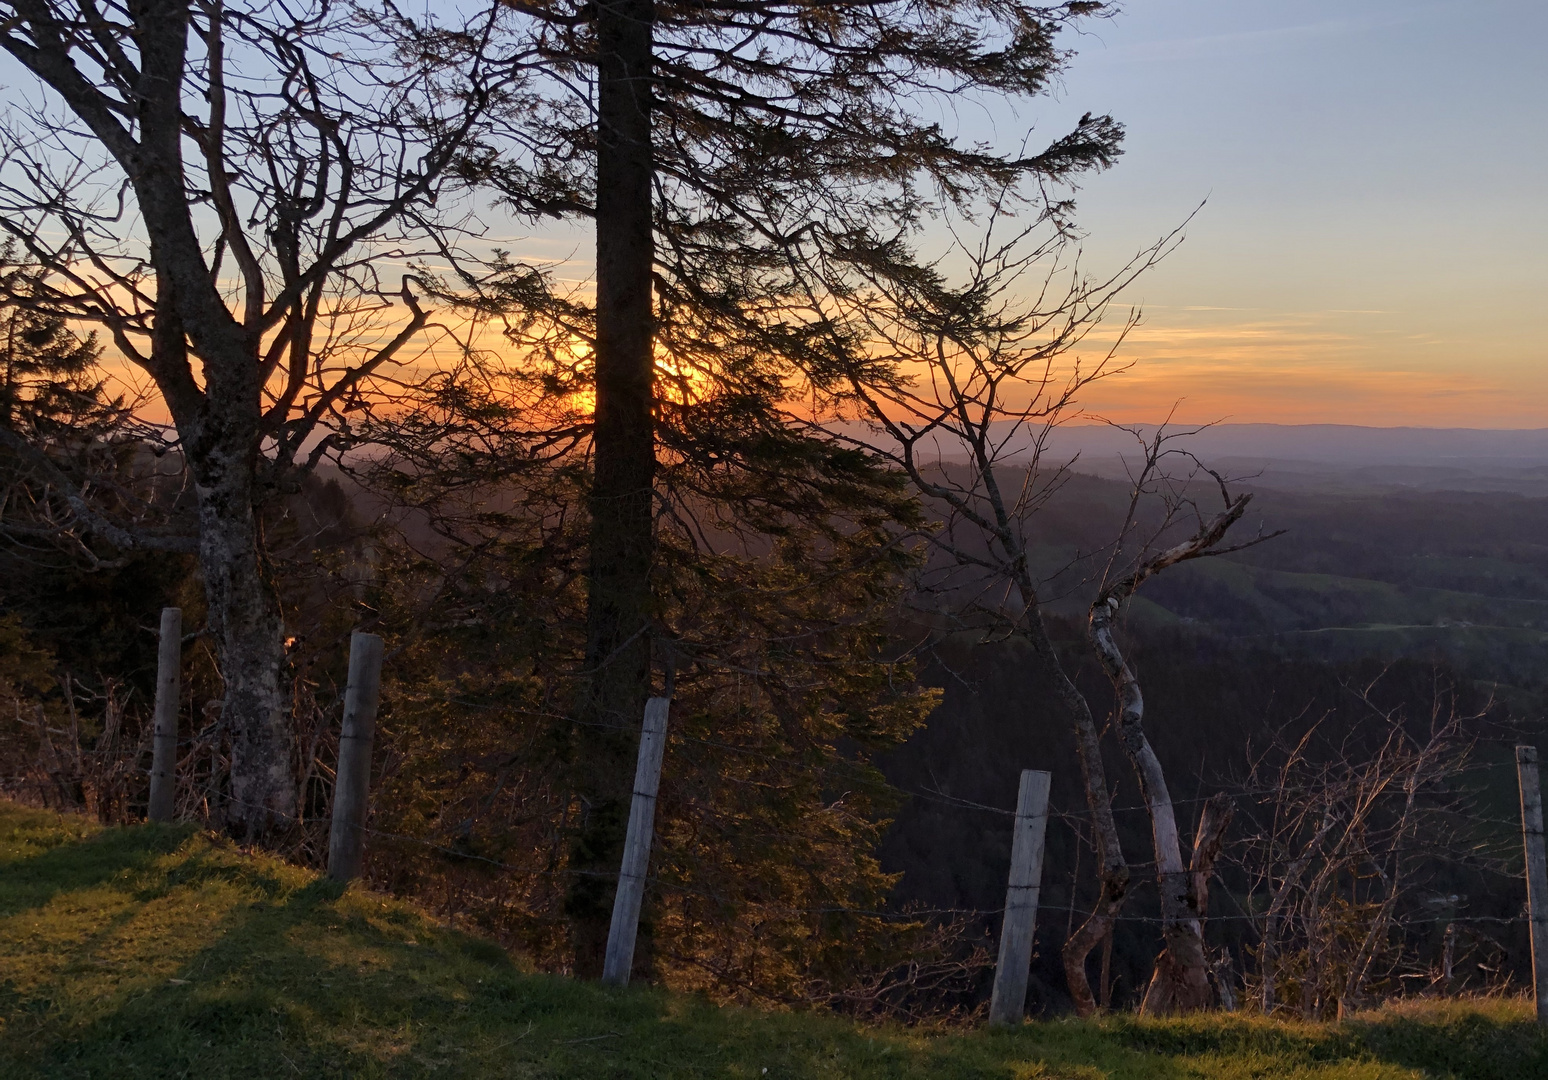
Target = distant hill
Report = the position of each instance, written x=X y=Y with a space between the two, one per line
x=1408 y=589
x=1334 y=457
x=1384 y=572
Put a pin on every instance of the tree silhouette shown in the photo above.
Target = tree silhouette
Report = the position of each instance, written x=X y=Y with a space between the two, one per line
x=232 y=193
x=738 y=161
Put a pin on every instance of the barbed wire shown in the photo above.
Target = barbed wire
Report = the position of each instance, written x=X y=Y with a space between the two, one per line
x=934 y=795
x=906 y=914
x=1072 y=817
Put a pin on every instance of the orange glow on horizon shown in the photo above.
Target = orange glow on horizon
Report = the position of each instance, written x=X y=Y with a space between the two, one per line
x=1210 y=365
x=1365 y=368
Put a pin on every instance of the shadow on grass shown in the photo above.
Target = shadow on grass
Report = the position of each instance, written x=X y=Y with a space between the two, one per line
x=289 y=981
x=287 y=975
x=30 y=882
x=1471 y=1043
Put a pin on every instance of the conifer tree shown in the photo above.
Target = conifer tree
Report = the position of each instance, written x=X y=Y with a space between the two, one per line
x=737 y=160
x=67 y=439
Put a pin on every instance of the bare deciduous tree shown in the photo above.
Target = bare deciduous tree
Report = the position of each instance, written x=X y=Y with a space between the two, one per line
x=242 y=197
x=988 y=370
x=1181 y=979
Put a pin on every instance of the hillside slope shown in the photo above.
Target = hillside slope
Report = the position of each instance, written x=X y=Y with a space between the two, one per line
x=161 y=951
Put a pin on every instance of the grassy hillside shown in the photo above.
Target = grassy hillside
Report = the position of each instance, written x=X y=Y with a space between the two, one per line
x=162 y=952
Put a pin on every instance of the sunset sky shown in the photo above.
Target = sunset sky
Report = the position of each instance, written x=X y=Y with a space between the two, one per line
x=1374 y=246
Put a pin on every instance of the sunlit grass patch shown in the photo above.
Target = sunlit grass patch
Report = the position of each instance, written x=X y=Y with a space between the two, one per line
x=162 y=951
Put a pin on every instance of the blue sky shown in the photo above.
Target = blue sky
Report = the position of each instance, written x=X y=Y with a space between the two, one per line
x=1373 y=245
x=1372 y=248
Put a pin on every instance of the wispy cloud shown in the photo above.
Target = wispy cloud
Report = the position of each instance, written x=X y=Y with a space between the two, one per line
x=1357 y=366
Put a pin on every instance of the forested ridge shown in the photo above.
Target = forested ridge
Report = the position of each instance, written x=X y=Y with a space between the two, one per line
x=1426 y=599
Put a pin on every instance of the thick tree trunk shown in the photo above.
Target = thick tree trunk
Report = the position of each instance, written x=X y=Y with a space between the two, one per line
x=244 y=617
x=219 y=432
x=219 y=428
x=617 y=661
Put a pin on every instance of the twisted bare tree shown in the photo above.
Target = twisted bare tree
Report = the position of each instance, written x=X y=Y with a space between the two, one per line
x=1181 y=979
x=989 y=365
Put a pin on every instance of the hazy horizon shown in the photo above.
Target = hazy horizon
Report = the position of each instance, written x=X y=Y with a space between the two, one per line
x=1336 y=458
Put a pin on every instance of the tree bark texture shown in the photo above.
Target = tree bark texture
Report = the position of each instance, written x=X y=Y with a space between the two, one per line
x=244 y=616
x=1181 y=979
x=1096 y=930
x=1113 y=872
x=621 y=504
x=220 y=436
x=1214 y=819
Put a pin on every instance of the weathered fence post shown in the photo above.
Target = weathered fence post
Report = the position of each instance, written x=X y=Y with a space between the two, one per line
x=1536 y=871
x=1026 y=875
x=169 y=663
x=352 y=787
x=636 y=858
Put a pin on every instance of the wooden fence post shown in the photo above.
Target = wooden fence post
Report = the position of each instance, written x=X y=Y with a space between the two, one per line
x=169 y=663
x=1536 y=871
x=1026 y=875
x=352 y=787
x=636 y=858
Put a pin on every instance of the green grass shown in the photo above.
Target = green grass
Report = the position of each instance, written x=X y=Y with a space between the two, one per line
x=163 y=952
